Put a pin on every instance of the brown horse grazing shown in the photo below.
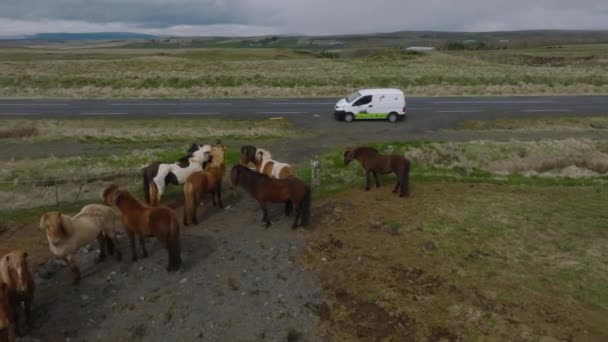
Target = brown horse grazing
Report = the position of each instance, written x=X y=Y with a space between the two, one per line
x=15 y=273
x=203 y=182
x=373 y=162
x=7 y=316
x=144 y=221
x=265 y=189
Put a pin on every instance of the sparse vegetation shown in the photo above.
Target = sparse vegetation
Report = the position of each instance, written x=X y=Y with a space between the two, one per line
x=283 y=72
x=538 y=124
x=478 y=261
x=545 y=162
x=142 y=131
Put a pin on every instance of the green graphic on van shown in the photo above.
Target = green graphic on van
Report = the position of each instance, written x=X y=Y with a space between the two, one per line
x=371 y=116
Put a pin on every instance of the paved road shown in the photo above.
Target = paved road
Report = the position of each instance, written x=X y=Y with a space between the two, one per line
x=429 y=112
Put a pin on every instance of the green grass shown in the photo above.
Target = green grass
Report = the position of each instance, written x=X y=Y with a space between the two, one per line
x=137 y=131
x=284 y=72
x=545 y=163
x=536 y=124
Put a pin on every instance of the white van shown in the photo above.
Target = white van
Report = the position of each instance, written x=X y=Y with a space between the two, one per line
x=379 y=104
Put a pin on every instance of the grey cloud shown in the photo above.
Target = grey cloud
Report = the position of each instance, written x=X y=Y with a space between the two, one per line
x=308 y=16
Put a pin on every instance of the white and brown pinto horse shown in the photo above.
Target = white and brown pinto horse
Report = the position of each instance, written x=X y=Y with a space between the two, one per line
x=264 y=164
x=262 y=159
x=157 y=176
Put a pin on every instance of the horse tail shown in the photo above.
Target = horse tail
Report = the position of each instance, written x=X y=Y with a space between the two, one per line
x=305 y=207
x=146 y=184
x=404 y=179
x=174 y=245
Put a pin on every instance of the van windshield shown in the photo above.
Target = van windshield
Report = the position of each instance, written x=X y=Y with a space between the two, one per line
x=353 y=97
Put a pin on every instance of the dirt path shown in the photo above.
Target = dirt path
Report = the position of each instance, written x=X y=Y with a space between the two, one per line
x=240 y=282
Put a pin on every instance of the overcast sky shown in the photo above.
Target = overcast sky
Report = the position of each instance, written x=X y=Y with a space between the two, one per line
x=314 y=17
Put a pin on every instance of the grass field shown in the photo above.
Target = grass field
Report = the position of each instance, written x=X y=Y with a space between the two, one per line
x=598 y=123
x=142 y=131
x=217 y=72
x=479 y=261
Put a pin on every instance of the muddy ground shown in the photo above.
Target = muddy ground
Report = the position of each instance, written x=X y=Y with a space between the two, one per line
x=240 y=282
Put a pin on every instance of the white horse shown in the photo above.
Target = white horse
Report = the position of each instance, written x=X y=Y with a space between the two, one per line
x=157 y=176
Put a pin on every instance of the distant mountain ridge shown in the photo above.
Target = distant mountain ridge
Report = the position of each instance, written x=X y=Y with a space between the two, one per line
x=89 y=36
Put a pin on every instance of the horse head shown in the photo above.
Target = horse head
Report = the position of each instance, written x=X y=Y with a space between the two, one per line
x=108 y=194
x=18 y=269
x=349 y=155
x=201 y=154
x=52 y=223
x=248 y=154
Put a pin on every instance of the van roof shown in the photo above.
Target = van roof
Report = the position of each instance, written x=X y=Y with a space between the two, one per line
x=377 y=91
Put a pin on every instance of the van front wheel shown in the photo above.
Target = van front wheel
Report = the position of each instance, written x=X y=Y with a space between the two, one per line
x=392 y=117
x=349 y=117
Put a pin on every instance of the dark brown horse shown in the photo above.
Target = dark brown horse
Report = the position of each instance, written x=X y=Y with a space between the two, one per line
x=144 y=221
x=373 y=162
x=267 y=190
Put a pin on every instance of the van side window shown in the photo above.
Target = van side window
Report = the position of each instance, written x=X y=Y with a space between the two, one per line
x=363 y=101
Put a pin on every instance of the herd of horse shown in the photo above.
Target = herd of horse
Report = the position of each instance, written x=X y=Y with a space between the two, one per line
x=201 y=173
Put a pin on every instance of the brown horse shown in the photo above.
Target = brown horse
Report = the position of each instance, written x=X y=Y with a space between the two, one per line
x=144 y=221
x=15 y=273
x=267 y=190
x=7 y=316
x=203 y=182
x=373 y=162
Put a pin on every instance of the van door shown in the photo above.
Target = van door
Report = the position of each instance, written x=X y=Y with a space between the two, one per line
x=362 y=107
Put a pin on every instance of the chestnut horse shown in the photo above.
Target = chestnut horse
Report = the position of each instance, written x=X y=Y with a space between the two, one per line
x=203 y=182
x=15 y=273
x=373 y=162
x=267 y=190
x=144 y=221
x=7 y=316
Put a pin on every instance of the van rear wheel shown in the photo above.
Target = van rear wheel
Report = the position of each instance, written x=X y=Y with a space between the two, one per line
x=349 y=117
x=392 y=117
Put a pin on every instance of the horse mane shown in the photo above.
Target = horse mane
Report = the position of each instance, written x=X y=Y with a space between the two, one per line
x=185 y=160
x=364 y=149
x=250 y=172
x=264 y=153
x=124 y=195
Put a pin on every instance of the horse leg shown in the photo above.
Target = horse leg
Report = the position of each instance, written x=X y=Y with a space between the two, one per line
x=117 y=252
x=102 y=247
x=266 y=218
x=288 y=208
x=74 y=268
x=396 y=187
x=219 y=195
x=298 y=213
x=367 y=175
x=376 y=179
x=27 y=306
x=131 y=236
x=142 y=242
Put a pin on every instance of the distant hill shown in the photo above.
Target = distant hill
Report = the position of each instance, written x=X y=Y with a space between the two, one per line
x=61 y=36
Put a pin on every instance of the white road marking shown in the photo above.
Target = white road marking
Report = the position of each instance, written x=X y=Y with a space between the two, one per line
x=33 y=104
x=459 y=111
x=494 y=101
x=280 y=112
x=316 y=115
x=185 y=104
x=543 y=110
x=19 y=114
x=303 y=103
x=102 y=113
x=200 y=113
